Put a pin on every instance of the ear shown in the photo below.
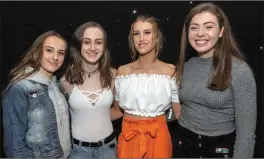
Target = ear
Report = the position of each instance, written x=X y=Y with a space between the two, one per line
x=221 y=32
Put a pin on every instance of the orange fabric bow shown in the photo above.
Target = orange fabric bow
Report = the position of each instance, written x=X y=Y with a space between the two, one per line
x=132 y=132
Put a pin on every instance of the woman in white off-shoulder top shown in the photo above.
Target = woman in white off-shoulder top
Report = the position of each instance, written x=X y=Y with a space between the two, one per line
x=144 y=90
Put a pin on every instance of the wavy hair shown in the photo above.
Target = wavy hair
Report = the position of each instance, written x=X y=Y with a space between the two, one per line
x=74 y=72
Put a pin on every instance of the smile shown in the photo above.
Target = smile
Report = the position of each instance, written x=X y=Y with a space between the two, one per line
x=201 y=42
x=142 y=44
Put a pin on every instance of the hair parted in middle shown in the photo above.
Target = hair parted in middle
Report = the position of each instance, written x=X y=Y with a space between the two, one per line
x=158 y=37
x=74 y=71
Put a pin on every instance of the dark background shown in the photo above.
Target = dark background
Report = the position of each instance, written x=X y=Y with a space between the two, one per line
x=21 y=22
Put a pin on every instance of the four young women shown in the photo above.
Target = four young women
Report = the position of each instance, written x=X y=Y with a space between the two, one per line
x=213 y=95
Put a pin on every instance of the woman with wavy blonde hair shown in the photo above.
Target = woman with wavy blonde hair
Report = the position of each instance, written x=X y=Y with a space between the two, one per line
x=145 y=90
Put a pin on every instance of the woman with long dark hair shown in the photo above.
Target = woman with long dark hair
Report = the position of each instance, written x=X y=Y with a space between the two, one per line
x=88 y=81
x=217 y=90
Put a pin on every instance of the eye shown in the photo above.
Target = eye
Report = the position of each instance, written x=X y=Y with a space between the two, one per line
x=86 y=42
x=99 y=42
x=135 y=33
x=147 y=32
x=62 y=53
x=209 y=27
x=49 y=50
x=193 y=28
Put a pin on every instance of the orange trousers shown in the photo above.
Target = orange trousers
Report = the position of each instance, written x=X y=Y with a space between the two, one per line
x=148 y=138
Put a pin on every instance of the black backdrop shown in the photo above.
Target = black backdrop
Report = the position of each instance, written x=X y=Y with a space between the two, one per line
x=22 y=22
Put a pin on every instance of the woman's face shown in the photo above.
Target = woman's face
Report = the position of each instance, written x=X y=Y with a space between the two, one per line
x=92 y=45
x=54 y=50
x=204 y=32
x=143 y=37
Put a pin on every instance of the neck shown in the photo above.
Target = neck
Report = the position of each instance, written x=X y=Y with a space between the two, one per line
x=45 y=73
x=90 y=67
x=206 y=55
x=147 y=60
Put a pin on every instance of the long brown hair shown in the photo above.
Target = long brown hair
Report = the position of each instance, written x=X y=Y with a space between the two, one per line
x=225 y=48
x=157 y=34
x=32 y=58
x=74 y=71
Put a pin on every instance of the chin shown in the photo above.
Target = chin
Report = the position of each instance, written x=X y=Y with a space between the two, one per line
x=202 y=50
x=52 y=70
x=143 y=53
x=93 y=61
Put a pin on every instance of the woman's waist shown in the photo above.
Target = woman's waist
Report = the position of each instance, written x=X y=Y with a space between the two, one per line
x=90 y=115
x=91 y=134
x=92 y=124
x=207 y=125
x=142 y=120
x=134 y=124
x=145 y=111
x=141 y=116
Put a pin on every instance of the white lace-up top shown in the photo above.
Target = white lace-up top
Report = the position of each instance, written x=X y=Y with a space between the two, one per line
x=144 y=94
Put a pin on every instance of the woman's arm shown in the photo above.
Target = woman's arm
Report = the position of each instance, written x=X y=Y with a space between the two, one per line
x=116 y=112
x=15 y=122
x=244 y=93
x=176 y=108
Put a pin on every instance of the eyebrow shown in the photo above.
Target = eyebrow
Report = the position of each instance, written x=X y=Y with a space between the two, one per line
x=143 y=30
x=148 y=30
x=204 y=23
x=90 y=39
x=49 y=47
x=53 y=48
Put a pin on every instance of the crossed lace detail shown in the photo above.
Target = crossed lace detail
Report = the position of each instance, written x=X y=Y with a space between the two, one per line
x=93 y=97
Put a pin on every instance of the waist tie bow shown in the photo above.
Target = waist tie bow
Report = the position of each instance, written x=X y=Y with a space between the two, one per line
x=143 y=130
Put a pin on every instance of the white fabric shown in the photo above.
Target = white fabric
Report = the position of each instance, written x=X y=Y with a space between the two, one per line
x=146 y=95
x=91 y=123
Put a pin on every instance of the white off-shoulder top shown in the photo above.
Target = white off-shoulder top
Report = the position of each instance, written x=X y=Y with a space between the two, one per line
x=146 y=95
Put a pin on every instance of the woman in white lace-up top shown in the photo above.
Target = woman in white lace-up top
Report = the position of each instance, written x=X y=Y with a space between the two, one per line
x=144 y=90
x=88 y=80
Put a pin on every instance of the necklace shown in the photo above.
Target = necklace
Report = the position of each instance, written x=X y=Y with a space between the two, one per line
x=89 y=73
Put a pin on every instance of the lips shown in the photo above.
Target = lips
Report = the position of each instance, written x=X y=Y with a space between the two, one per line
x=201 y=42
x=92 y=54
x=55 y=64
x=142 y=44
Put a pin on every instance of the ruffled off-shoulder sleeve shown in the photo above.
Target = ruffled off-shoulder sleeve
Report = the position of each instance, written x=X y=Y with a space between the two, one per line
x=117 y=87
x=174 y=91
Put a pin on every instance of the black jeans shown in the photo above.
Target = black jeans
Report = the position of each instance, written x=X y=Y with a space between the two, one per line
x=191 y=145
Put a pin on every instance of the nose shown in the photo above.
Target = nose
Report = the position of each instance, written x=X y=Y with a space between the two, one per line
x=141 y=38
x=93 y=47
x=201 y=32
x=55 y=56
